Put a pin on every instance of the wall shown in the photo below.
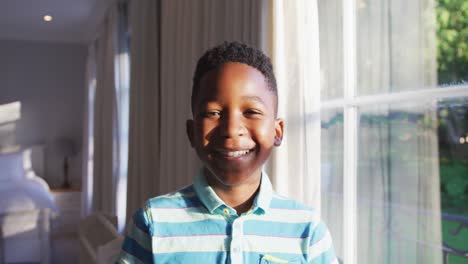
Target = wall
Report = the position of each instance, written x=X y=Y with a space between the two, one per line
x=48 y=80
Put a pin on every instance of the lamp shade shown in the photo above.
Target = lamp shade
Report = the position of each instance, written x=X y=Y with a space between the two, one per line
x=65 y=147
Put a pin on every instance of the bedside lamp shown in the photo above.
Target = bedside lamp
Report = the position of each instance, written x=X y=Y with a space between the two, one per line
x=66 y=148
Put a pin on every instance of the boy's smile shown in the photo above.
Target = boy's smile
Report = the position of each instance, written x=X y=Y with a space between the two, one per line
x=234 y=126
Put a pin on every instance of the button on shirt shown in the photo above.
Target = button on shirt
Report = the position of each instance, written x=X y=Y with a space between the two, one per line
x=194 y=225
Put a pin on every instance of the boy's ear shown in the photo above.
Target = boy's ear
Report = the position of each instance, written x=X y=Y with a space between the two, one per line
x=189 y=130
x=279 y=131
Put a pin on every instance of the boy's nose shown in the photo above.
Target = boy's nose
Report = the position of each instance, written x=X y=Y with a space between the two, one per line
x=231 y=126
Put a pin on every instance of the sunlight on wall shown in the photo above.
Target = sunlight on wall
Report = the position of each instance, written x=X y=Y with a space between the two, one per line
x=9 y=114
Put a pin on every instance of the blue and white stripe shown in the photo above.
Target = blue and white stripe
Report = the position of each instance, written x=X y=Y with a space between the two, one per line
x=193 y=225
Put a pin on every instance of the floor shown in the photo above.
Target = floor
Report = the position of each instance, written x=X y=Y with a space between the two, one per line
x=65 y=246
x=64 y=239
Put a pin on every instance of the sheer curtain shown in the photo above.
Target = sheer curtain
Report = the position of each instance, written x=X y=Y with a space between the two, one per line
x=396 y=46
x=398 y=185
x=122 y=87
x=399 y=218
x=168 y=36
x=398 y=174
x=105 y=119
x=88 y=132
x=295 y=165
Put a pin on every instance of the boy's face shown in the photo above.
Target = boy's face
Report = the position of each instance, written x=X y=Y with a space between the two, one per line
x=234 y=126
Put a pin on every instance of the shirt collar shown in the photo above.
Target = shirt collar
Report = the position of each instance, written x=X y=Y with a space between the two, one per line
x=205 y=193
x=211 y=200
x=265 y=194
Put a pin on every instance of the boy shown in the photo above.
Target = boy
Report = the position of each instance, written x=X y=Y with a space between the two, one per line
x=230 y=214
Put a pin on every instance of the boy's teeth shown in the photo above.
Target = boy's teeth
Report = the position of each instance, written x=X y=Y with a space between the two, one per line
x=235 y=153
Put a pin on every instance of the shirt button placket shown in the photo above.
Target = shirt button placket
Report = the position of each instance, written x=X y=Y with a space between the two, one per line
x=226 y=211
x=236 y=242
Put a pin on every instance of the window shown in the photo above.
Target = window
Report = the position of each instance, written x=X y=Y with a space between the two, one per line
x=120 y=53
x=394 y=129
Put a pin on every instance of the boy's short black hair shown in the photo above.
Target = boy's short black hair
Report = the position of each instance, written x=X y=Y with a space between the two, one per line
x=233 y=52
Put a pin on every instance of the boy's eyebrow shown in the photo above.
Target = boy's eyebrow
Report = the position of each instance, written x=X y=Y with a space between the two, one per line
x=253 y=98
x=245 y=97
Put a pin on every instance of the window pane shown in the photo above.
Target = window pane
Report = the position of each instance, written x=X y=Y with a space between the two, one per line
x=411 y=45
x=453 y=160
x=412 y=184
x=332 y=175
x=331 y=48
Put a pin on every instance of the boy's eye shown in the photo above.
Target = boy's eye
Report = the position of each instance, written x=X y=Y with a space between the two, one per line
x=211 y=114
x=252 y=112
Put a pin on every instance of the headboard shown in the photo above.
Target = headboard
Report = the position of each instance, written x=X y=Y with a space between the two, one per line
x=37 y=160
x=32 y=156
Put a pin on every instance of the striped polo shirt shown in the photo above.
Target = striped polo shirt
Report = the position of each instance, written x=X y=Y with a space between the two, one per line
x=194 y=225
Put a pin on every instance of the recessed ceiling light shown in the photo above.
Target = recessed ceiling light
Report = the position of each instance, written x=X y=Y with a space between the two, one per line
x=47 y=18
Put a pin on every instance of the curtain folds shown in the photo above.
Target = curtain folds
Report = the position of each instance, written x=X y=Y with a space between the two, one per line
x=399 y=214
x=144 y=133
x=88 y=129
x=122 y=88
x=295 y=166
x=398 y=186
x=105 y=120
x=398 y=173
x=168 y=36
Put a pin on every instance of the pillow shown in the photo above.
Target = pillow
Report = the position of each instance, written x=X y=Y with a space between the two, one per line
x=11 y=166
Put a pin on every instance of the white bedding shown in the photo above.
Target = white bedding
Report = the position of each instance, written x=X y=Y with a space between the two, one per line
x=26 y=208
x=28 y=194
x=20 y=188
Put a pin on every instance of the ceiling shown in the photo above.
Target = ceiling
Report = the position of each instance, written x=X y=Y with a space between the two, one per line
x=74 y=21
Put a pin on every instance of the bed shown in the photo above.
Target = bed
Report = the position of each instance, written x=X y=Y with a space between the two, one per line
x=26 y=207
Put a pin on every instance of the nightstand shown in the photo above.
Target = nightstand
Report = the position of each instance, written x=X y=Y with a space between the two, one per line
x=69 y=204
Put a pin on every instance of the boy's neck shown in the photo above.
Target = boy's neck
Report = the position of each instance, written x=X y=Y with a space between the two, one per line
x=240 y=197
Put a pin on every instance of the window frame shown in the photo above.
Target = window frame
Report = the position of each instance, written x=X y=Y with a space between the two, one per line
x=350 y=104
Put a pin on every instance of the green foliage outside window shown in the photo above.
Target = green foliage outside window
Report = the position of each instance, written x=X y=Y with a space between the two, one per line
x=452 y=60
x=452 y=41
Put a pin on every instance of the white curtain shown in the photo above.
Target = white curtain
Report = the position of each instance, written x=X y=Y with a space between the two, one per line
x=105 y=120
x=122 y=87
x=144 y=139
x=399 y=217
x=295 y=165
x=168 y=37
x=88 y=132
x=396 y=46
x=106 y=117
x=398 y=184
x=398 y=174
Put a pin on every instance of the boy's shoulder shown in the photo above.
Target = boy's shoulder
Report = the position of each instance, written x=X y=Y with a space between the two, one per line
x=286 y=208
x=182 y=198
x=283 y=202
